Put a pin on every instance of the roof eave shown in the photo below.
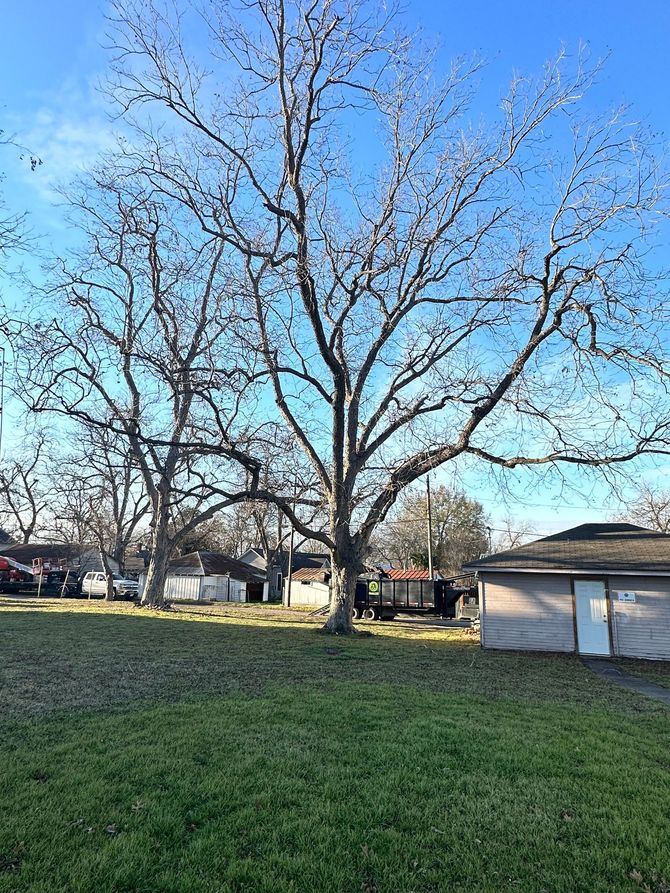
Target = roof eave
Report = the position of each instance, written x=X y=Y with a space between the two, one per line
x=610 y=571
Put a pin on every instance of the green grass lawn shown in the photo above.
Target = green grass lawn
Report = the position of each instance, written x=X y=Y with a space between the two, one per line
x=234 y=751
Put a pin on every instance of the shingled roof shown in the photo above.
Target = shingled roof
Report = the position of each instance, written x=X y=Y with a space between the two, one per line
x=589 y=547
x=67 y=552
x=311 y=575
x=213 y=564
x=299 y=559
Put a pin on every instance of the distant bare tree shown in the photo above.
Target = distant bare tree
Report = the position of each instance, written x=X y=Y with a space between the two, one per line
x=459 y=531
x=99 y=493
x=12 y=225
x=14 y=235
x=649 y=507
x=514 y=532
x=26 y=488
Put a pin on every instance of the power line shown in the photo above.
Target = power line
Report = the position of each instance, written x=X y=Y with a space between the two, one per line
x=494 y=529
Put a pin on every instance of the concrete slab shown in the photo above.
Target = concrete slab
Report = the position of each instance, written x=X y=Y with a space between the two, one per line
x=615 y=674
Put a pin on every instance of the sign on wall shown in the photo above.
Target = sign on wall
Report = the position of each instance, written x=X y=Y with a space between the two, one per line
x=625 y=595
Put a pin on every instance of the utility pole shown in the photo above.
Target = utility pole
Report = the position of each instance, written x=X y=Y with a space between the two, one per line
x=430 y=530
x=290 y=567
x=290 y=548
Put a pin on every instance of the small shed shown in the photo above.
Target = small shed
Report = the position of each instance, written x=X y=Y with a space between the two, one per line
x=308 y=586
x=212 y=576
x=277 y=573
x=597 y=589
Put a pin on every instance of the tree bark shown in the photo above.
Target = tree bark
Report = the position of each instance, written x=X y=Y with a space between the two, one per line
x=343 y=591
x=109 y=580
x=161 y=549
x=346 y=564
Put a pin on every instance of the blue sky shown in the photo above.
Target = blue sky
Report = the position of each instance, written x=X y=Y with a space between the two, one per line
x=51 y=59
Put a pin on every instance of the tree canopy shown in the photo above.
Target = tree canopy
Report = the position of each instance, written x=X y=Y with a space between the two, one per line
x=393 y=284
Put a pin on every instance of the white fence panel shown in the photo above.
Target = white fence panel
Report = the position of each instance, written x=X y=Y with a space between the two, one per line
x=301 y=593
x=215 y=589
x=223 y=589
x=178 y=588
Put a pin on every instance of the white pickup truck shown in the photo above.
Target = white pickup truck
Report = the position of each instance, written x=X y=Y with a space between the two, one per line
x=94 y=585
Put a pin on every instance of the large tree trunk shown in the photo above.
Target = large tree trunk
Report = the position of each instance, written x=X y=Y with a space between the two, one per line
x=119 y=555
x=346 y=565
x=154 y=587
x=109 y=581
x=342 y=593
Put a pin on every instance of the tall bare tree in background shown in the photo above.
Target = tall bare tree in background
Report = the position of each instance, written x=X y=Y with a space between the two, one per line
x=99 y=493
x=649 y=506
x=12 y=223
x=459 y=531
x=133 y=340
x=514 y=531
x=424 y=288
x=26 y=488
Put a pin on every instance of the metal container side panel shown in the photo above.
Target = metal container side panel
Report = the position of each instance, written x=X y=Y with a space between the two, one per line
x=400 y=594
x=428 y=593
x=641 y=628
x=527 y=612
x=414 y=593
x=387 y=587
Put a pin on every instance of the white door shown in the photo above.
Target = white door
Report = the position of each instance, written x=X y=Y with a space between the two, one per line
x=591 y=607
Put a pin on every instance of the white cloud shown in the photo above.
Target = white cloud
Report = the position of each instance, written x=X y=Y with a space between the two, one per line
x=68 y=130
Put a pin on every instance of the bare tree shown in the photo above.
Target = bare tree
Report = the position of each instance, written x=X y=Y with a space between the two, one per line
x=514 y=532
x=438 y=289
x=14 y=234
x=135 y=345
x=459 y=531
x=12 y=225
x=233 y=531
x=648 y=507
x=26 y=488
x=99 y=493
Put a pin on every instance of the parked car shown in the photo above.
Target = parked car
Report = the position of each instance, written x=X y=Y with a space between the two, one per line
x=94 y=585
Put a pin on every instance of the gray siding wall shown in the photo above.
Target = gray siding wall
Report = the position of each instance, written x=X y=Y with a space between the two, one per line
x=529 y=612
x=641 y=628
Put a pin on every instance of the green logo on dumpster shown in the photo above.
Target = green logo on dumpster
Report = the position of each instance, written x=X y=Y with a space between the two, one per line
x=373 y=586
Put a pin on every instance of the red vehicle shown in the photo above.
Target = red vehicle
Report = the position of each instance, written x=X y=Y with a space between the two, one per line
x=41 y=579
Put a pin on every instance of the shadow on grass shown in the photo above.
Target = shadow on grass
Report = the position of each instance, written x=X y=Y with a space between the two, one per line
x=102 y=656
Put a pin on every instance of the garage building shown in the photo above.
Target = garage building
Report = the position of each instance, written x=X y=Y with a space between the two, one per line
x=212 y=576
x=597 y=589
